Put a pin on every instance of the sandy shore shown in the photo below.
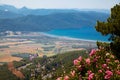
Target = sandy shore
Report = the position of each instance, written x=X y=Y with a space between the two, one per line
x=70 y=38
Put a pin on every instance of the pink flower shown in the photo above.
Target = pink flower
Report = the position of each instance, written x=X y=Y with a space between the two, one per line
x=118 y=72
x=104 y=66
x=90 y=77
x=100 y=71
x=116 y=61
x=96 y=66
x=76 y=62
x=72 y=73
x=59 y=78
x=118 y=65
x=66 y=78
x=97 y=57
x=87 y=61
x=108 y=74
x=107 y=60
x=95 y=60
x=80 y=58
x=93 y=51
x=89 y=72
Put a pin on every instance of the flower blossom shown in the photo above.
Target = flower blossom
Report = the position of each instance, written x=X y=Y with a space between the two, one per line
x=108 y=74
x=66 y=78
x=87 y=61
x=59 y=78
x=96 y=66
x=80 y=58
x=104 y=66
x=107 y=60
x=100 y=71
x=89 y=72
x=90 y=77
x=93 y=51
x=118 y=72
x=72 y=73
x=95 y=60
x=76 y=62
x=116 y=61
x=97 y=57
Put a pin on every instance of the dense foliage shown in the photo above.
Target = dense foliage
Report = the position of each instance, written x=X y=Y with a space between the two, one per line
x=5 y=74
x=112 y=28
x=100 y=65
x=49 y=67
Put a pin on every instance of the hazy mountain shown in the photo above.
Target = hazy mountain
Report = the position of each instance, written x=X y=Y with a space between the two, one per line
x=96 y=10
x=8 y=7
x=24 y=19
x=52 y=21
x=27 y=11
x=8 y=14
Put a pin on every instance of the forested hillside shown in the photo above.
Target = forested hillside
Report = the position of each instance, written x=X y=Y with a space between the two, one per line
x=52 y=21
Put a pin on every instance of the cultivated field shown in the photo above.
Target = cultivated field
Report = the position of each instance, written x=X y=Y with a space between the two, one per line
x=38 y=43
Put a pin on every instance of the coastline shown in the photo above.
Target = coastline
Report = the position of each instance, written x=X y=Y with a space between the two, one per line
x=71 y=38
x=42 y=43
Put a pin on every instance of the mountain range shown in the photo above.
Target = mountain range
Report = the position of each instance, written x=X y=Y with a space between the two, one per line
x=24 y=19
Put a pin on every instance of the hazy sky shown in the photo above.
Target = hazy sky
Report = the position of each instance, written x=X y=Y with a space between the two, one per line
x=81 y=4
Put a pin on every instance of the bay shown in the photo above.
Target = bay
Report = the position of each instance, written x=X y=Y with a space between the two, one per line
x=86 y=33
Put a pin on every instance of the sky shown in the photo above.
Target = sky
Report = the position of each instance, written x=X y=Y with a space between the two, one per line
x=67 y=4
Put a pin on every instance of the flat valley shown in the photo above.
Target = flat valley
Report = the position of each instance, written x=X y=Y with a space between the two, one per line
x=13 y=45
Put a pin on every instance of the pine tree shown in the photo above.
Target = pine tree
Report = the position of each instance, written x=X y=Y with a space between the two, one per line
x=112 y=28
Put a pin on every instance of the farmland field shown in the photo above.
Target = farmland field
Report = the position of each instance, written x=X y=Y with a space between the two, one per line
x=39 y=43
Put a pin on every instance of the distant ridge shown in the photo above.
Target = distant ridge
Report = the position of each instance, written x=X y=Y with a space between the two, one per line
x=52 y=21
x=96 y=10
x=27 y=11
x=24 y=19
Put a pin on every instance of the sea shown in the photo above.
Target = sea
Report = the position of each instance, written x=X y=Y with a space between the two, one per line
x=84 y=33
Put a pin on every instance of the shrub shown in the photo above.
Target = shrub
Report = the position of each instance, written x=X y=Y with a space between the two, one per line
x=100 y=65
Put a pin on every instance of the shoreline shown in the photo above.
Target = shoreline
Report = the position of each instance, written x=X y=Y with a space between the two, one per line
x=58 y=36
x=71 y=38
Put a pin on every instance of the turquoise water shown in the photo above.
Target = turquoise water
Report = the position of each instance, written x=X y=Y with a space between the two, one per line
x=87 y=33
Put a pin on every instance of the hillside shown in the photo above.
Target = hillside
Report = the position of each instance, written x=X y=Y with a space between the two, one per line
x=25 y=19
x=52 y=21
x=43 y=68
x=8 y=14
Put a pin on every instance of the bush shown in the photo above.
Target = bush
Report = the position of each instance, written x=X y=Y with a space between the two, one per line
x=100 y=65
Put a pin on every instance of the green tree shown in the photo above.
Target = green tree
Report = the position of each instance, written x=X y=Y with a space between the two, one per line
x=112 y=28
